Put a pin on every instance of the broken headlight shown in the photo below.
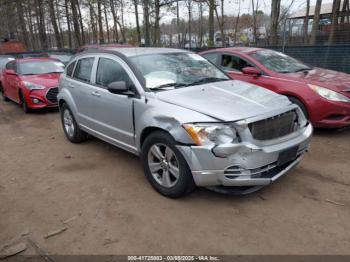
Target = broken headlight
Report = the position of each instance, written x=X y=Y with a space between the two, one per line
x=204 y=134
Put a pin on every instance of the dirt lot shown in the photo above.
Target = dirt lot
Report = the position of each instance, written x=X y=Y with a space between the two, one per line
x=46 y=180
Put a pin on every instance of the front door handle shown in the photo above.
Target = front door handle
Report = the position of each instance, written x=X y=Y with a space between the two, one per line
x=70 y=85
x=95 y=93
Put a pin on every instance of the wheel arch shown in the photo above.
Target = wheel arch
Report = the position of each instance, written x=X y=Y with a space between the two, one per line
x=149 y=130
x=295 y=96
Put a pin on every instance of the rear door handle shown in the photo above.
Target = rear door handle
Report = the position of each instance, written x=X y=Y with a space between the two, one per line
x=70 y=85
x=95 y=93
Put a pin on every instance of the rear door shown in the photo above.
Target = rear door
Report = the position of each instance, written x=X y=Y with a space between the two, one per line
x=113 y=113
x=79 y=85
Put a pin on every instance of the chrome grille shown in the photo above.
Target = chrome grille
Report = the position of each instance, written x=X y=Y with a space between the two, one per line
x=51 y=95
x=274 y=127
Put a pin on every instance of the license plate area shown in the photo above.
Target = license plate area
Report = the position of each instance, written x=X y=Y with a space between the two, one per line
x=287 y=155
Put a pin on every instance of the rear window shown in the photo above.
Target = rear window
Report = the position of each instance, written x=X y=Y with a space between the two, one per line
x=83 y=69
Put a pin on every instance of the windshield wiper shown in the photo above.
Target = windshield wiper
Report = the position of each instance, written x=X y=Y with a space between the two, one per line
x=208 y=80
x=305 y=69
x=175 y=85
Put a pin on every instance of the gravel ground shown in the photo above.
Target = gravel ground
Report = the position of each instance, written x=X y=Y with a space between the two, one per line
x=108 y=207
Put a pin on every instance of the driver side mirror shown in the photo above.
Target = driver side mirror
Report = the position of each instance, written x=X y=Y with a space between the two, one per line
x=10 y=72
x=251 y=71
x=120 y=88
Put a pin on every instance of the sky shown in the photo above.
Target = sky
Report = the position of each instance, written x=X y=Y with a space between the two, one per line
x=231 y=8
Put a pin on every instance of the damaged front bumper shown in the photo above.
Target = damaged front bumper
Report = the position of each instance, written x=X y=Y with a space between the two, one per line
x=248 y=163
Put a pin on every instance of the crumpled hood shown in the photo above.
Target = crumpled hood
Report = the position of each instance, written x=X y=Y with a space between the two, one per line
x=226 y=100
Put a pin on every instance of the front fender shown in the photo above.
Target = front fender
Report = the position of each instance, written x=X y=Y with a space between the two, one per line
x=153 y=113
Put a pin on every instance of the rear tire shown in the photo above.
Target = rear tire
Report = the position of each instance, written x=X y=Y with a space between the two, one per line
x=70 y=127
x=170 y=175
x=300 y=104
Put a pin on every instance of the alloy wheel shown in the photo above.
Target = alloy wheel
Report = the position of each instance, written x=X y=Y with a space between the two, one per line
x=163 y=165
x=68 y=123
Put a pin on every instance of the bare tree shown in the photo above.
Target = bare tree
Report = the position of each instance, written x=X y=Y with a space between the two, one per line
x=75 y=22
x=115 y=20
x=80 y=17
x=138 y=30
x=275 y=12
x=211 y=4
x=22 y=24
x=221 y=22
x=99 y=18
x=54 y=24
x=316 y=21
x=68 y=24
x=345 y=11
x=146 y=22
x=306 y=21
x=106 y=20
x=335 y=18
x=237 y=21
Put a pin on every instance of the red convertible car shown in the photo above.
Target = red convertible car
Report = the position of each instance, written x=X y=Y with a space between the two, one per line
x=323 y=95
x=32 y=82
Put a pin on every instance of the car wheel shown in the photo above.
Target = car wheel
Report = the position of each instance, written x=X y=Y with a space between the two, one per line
x=70 y=126
x=24 y=103
x=165 y=167
x=300 y=104
x=4 y=97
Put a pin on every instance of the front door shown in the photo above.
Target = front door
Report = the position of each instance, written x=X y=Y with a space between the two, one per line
x=11 y=82
x=113 y=113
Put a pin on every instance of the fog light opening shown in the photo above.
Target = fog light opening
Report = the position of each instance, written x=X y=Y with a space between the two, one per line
x=36 y=101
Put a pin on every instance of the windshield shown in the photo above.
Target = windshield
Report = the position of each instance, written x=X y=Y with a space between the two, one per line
x=174 y=70
x=4 y=60
x=279 y=62
x=40 y=67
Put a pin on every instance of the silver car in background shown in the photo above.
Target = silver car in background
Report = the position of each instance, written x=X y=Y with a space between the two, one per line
x=190 y=123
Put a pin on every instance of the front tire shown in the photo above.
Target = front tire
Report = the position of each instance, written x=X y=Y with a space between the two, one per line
x=165 y=167
x=70 y=127
x=24 y=103
x=296 y=101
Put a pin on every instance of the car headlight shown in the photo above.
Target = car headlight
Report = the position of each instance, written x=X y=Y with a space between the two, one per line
x=329 y=94
x=204 y=134
x=32 y=86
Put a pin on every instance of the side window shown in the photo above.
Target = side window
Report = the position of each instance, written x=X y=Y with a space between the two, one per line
x=109 y=71
x=70 y=68
x=83 y=69
x=229 y=63
x=212 y=57
x=11 y=65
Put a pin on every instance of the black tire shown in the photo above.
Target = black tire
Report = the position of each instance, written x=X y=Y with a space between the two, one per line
x=24 y=105
x=300 y=104
x=77 y=135
x=184 y=183
x=4 y=97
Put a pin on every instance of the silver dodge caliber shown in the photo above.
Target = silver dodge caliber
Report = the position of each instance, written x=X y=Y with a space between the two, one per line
x=190 y=123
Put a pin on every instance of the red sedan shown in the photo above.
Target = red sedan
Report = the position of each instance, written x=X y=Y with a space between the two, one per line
x=323 y=95
x=32 y=82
